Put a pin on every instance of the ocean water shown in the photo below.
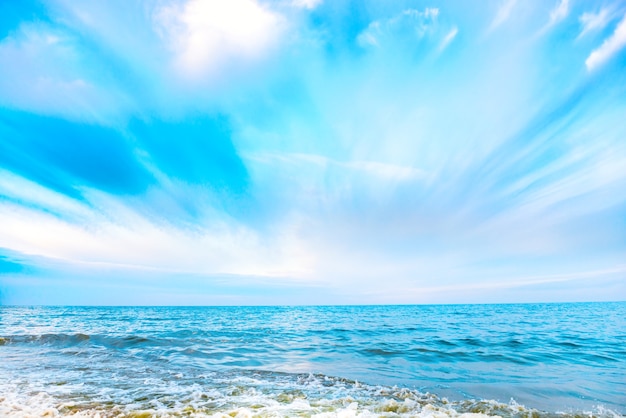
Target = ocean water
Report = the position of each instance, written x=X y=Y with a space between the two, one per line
x=527 y=360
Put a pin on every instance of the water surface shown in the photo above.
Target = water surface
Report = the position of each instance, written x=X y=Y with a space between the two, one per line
x=446 y=360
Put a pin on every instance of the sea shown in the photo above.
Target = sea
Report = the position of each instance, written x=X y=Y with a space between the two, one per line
x=509 y=360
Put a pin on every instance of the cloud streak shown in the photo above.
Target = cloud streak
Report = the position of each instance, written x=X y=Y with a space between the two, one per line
x=593 y=22
x=610 y=47
x=503 y=13
x=559 y=13
x=448 y=38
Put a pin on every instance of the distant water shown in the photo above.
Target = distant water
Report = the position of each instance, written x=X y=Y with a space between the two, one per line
x=366 y=361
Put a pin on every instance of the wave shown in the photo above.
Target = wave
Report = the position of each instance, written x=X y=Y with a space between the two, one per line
x=205 y=347
x=268 y=394
x=68 y=340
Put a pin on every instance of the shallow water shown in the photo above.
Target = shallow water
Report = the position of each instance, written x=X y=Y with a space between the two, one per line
x=446 y=360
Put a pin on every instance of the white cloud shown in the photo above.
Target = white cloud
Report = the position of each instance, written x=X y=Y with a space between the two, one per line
x=591 y=22
x=369 y=36
x=372 y=169
x=503 y=14
x=41 y=71
x=205 y=34
x=411 y=23
x=34 y=195
x=382 y=170
x=429 y=12
x=609 y=47
x=448 y=38
x=307 y=4
x=559 y=13
x=120 y=236
x=516 y=282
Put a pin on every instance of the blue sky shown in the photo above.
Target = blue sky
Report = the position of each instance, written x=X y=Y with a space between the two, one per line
x=312 y=152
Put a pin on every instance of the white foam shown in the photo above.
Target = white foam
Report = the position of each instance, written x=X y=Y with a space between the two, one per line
x=246 y=397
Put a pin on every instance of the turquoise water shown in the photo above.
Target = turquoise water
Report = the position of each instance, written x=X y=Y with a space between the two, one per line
x=449 y=360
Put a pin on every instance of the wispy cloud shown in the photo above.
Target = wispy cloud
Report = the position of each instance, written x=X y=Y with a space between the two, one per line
x=307 y=4
x=611 y=46
x=45 y=75
x=131 y=240
x=559 y=13
x=502 y=14
x=593 y=22
x=370 y=168
x=518 y=289
x=410 y=25
x=448 y=38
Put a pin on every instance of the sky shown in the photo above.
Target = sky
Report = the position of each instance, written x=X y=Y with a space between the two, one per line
x=247 y=152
